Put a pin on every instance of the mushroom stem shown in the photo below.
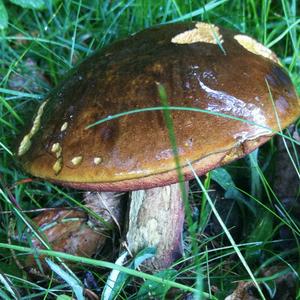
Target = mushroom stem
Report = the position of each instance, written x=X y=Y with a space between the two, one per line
x=109 y=206
x=156 y=219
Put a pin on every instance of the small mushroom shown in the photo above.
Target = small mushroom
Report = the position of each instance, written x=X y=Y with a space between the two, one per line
x=75 y=232
x=66 y=231
x=201 y=66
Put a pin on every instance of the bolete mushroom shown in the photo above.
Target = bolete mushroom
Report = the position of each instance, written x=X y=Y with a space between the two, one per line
x=201 y=66
x=75 y=232
x=66 y=230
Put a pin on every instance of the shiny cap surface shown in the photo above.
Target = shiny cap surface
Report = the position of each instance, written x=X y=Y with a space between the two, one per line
x=213 y=69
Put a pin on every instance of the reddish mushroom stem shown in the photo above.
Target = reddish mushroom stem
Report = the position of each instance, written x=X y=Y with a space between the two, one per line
x=156 y=219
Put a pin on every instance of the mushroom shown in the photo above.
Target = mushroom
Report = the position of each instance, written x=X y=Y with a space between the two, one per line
x=75 y=232
x=66 y=230
x=201 y=66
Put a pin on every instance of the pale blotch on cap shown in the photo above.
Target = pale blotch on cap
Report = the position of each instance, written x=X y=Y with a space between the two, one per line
x=64 y=126
x=76 y=160
x=26 y=141
x=255 y=47
x=56 y=148
x=58 y=165
x=204 y=32
x=97 y=160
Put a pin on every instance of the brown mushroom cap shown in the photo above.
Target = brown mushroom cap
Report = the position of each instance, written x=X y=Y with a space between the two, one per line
x=201 y=66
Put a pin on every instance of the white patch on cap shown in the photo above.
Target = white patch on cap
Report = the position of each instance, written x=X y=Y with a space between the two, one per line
x=255 y=47
x=56 y=148
x=26 y=141
x=57 y=165
x=204 y=32
x=64 y=126
x=37 y=121
x=24 y=145
x=76 y=160
x=97 y=160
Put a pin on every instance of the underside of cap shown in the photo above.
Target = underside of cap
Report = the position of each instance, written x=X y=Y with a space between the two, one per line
x=231 y=90
x=200 y=167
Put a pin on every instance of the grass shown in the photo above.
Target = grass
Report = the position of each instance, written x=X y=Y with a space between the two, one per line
x=38 y=48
